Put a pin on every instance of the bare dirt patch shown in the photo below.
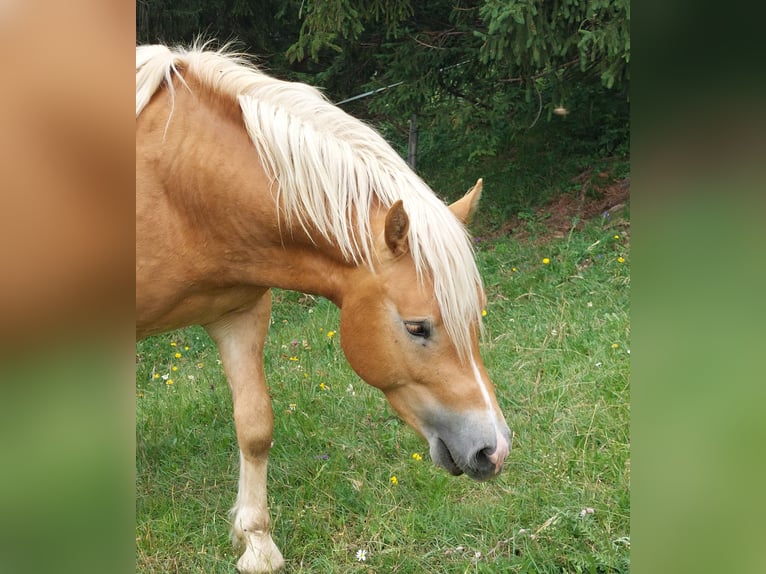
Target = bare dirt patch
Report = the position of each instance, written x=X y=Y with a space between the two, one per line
x=572 y=210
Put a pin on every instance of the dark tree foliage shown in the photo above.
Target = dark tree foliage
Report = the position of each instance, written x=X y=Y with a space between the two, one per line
x=502 y=59
x=263 y=28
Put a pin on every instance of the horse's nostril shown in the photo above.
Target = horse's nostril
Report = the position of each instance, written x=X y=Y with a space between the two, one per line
x=483 y=456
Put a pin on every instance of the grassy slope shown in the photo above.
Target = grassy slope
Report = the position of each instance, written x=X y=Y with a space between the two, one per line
x=557 y=348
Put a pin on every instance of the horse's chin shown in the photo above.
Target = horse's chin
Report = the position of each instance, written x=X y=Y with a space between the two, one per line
x=441 y=455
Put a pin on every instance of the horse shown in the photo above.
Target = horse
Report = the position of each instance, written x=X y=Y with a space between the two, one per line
x=244 y=183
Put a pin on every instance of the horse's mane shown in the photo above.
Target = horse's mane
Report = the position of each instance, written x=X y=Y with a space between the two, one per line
x=330 y=167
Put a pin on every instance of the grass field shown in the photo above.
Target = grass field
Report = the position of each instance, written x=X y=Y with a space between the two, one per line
x=347 y=478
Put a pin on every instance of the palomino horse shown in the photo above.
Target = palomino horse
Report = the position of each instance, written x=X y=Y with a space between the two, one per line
x=245 y=182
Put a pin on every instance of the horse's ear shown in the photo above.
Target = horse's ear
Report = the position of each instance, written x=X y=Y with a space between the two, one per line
x=397 y=227
x=465 y=207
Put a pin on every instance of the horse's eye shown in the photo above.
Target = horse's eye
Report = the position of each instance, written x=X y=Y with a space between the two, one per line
x=418 y=328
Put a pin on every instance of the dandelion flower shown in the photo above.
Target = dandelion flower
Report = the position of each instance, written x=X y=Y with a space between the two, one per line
x=361 y=555
x=156 y=375
x=546 y=261
x=330 y=334
x=615 y=346
x=173 y=344
x=173 y=368
x=177 y=355
x=186 y=348
x=616 y=236
x=293 y=358
x=169 y=382
x=483 y=312
x=621 y=259
x=416 y=456
x=323 y=386
x=394 y=480
x=513 y=270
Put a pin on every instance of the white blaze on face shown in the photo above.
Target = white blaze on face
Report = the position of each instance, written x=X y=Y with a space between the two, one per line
x=502 y=447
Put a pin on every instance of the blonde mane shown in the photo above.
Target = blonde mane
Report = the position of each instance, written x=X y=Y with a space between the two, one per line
x=330 y=169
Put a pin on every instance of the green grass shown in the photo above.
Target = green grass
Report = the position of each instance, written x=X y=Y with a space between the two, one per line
x=562 y=383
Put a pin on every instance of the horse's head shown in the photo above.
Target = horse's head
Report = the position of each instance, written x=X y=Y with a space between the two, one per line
x=393 y=335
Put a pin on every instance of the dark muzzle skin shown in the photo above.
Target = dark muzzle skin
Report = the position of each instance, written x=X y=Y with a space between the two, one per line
x=476 y=444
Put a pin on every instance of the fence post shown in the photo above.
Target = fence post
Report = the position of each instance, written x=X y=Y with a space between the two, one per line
x=412 y=147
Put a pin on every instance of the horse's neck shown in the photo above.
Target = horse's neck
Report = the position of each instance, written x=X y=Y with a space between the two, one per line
x=223 y=210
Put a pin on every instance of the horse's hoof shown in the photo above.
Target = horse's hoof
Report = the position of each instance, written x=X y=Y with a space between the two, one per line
x=261 y=556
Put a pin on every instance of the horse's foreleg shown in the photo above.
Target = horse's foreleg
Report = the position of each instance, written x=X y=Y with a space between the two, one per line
x=240 y=339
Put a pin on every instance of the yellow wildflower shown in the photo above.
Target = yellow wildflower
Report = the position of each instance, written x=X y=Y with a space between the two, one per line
x=483 y=312
x=156 y=375
x=416 y=456
x=323 y=386
x=546 y=261
x=186 y=348
x=616 y=236
x=177 y=355
x=173 y=368
x=394 y=480
x=330 y=334
x=173 y=343
x=621 y=259
x=615 y=346
x=169 y=382
x=293 y=358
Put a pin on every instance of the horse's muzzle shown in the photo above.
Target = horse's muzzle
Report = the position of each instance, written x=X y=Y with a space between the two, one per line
x=481 y=463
